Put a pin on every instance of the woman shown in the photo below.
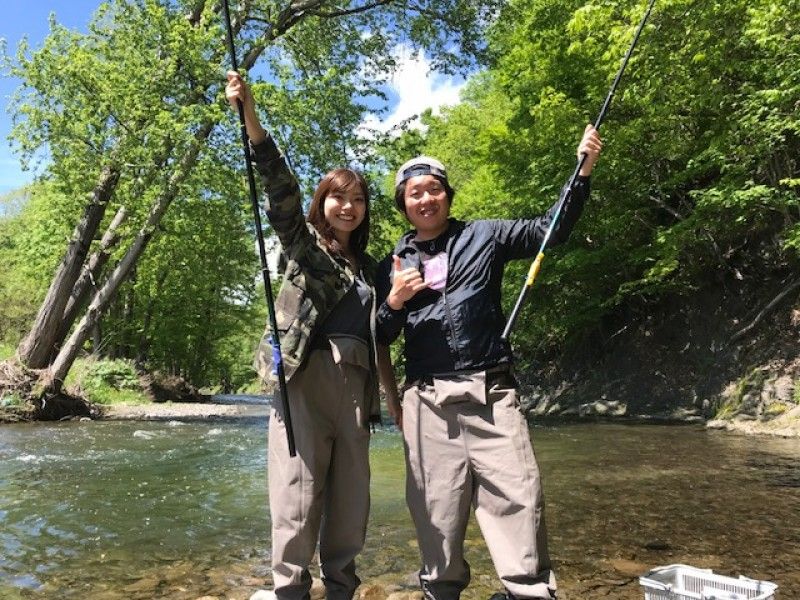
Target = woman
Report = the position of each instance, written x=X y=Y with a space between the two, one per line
x=325 y=312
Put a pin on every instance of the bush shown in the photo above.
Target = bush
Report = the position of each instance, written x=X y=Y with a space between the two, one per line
x=118 y=374
x=6 y=350
x=10 y=401
x=107 y=381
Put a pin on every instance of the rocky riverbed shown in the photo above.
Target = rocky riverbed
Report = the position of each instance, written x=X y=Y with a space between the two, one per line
x=182 y=411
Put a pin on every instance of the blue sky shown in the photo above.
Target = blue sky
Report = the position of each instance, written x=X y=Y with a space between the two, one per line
x=411 y=90
x=31 y=20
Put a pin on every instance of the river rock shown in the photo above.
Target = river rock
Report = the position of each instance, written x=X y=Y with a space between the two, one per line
x=178 y=571
x=656 y=545
x=317 y=589
x=263 y=595
x=629 y=568
x=372 y=592
x=148 y=584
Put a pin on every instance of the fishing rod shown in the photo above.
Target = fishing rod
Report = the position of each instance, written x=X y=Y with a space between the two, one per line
x=274 y=340
x=537 y=263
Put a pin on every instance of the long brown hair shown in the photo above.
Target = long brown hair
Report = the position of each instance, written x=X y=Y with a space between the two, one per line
x=334 y=182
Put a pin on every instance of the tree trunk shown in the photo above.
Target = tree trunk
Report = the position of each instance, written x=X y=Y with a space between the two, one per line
x=144 y=337
x=97 y=340
x=35 y=350
x=55 y=375
x=126 y=342
x=88 y=279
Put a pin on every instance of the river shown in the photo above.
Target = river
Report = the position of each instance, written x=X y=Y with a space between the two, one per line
x=142 y=510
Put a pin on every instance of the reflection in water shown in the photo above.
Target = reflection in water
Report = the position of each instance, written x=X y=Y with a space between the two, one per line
x=172 y=510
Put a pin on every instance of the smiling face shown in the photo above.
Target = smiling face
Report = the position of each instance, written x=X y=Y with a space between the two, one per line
x=427 y=206
x=344 y=209
x=339 y=211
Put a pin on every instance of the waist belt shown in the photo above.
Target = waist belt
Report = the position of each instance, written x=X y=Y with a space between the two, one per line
x=348 y=349
x=323 y=342
x=500 y=375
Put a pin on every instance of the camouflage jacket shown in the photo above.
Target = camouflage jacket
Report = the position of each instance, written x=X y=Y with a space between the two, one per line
x=314 y=280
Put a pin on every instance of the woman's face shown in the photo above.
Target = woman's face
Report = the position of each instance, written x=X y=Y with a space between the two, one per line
x=345 y=209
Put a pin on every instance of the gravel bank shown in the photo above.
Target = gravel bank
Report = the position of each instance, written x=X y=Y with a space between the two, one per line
x=182 y=411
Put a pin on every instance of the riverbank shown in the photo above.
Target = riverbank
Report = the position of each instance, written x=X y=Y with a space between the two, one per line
x=182 y=411
x=785 y=426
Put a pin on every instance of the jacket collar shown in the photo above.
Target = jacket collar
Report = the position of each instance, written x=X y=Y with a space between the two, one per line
x=409 y=244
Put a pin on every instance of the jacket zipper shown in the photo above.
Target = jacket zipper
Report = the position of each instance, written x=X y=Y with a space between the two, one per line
x=450 y=321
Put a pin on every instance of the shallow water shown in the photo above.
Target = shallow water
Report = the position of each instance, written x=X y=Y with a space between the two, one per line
x=146 y=510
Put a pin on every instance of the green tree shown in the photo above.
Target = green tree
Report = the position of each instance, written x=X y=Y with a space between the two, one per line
x=133 y=115
x=698 y=178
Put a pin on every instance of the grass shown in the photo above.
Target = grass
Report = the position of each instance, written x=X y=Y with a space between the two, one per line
x=6 y=350
x=255 y=388
x=10 y=401
x=106 y=381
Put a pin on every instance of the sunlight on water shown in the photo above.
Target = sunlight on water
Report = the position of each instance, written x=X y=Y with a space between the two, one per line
x=178 y=510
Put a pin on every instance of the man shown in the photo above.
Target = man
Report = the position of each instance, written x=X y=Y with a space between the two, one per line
x=466 y=440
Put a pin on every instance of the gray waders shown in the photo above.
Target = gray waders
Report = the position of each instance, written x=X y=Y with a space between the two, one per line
x=323 y=493
x=467 y=443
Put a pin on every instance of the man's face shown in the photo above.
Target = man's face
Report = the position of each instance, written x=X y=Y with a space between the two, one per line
x=427 y=207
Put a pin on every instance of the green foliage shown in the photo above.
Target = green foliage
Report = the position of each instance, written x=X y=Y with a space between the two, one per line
x=107 y=381
x=33 y=232
x=119 y=374
x=192 y=297
x=698 y=177
x=10 y=401
x=142 y=91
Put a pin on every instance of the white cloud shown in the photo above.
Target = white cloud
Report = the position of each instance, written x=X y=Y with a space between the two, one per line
x=417 y=89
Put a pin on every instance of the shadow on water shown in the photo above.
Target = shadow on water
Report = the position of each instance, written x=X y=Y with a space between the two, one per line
x=112 y=510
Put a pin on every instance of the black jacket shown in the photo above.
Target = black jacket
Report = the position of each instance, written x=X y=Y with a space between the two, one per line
x=460 y=329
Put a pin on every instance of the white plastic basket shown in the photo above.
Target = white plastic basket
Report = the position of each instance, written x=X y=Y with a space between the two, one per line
x=682 y=582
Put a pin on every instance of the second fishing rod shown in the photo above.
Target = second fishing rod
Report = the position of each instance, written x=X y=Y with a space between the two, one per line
x=533 y=271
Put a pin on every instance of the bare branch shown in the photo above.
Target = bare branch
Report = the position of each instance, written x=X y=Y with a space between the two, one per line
x=197 y=10
x=349 y=11
x=772 y=305
x=664 y=206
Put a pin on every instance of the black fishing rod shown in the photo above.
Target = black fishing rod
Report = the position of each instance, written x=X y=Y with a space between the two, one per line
x=277 y=357
x=537 y=263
